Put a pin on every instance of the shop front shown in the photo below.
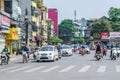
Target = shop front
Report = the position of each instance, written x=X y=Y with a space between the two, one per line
x=12 y=37
x=4 y=28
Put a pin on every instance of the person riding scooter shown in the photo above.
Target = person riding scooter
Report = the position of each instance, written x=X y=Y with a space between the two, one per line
x=26 y=49
x=98 y=49
x=6 y=51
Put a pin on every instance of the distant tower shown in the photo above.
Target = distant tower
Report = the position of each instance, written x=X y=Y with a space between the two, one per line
x=74 y=15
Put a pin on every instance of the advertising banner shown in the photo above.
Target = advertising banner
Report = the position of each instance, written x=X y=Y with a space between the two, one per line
x=104 y=35
x=5 y=21
x=115 y=35
x=13 y=35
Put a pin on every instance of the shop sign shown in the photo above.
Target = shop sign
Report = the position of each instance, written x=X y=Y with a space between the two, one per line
x=96 y=35
x=5 y=21
x=104 y=35
x=13 y=35
x=114 y=35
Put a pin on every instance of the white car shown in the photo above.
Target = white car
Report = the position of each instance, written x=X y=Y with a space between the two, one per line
x=66 y=50
x=47 y=53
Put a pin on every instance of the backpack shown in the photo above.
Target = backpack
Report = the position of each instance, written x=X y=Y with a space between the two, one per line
x=5 y=50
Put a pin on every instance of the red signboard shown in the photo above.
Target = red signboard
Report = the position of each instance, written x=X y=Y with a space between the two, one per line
x=5 y=20
x=104 y=35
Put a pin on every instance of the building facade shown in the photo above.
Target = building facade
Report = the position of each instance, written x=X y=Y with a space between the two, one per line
x=4 y=24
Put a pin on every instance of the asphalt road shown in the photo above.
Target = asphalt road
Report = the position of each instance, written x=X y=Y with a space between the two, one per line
x=74 y=67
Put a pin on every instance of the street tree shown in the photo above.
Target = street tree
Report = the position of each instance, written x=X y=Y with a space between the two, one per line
x=101 y=25
x=79 y=40
x=66 y=30
x=114 y=15
x=55 y=40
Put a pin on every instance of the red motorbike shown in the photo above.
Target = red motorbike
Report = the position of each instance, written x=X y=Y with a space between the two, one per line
x=75 y=49
x=82 y=51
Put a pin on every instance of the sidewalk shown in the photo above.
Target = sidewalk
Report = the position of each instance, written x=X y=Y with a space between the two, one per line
x=15 y=57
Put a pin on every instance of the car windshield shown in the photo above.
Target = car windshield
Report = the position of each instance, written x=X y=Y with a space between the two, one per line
x=65 y=47
x=48 y=48
x=85 y=46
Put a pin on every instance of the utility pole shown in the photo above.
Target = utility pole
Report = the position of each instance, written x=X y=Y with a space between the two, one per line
x=26 y=26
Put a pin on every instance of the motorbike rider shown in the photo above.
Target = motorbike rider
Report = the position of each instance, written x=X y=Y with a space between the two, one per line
x=6 y=51
x=98 y=48
x=59 y=50
x=112 y=46
x=104 y=50
x=26 y=49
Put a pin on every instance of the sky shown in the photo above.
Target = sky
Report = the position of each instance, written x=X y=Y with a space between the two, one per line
x=84 y=8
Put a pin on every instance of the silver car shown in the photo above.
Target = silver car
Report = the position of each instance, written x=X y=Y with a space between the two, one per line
x=66 y=50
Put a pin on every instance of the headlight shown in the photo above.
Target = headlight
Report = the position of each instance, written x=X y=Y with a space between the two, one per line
x=68 y=50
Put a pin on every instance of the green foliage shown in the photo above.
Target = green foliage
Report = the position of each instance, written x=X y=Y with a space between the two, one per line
x=15 y=49
x=114 y=15
x=66 y=29
x=80 y=40
x=101 y=25
x=55 y=40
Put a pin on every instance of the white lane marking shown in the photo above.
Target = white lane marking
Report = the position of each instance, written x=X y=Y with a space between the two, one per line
x=84 y=68
x=67 y=69
x=117 y=68
x=101 y=69
x=35 y=69
x=50 y=69
x=8 y=68
x=20 y=69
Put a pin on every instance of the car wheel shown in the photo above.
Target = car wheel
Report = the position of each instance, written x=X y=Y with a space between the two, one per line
x=88 y=52
x=54 y=59
x=38 y=61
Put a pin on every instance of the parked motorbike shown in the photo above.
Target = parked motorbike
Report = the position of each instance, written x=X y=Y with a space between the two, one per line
x=114 y=54
x=25 y=57
x=98 y=55
x=4 y=59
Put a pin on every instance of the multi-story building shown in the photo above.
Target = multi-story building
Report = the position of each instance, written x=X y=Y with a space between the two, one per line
x=29 y=11
x=4 y=24
x=53 y=15
x=80 y=26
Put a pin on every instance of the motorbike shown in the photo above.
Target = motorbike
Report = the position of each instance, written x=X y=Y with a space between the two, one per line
x=98 y=55
x=4 y=59
x=104 y=52
x=118 y=52
x=25 y=57
x=114 y=54
x=75 y=49
x=82 y=51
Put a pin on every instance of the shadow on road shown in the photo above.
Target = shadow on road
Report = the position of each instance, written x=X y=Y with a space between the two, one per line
x=92 y=60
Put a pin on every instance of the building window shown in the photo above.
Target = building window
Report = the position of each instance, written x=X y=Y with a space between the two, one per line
x=33 y=11
x=8 y=6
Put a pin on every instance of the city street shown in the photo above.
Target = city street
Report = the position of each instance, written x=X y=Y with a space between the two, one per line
x=74 y=67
